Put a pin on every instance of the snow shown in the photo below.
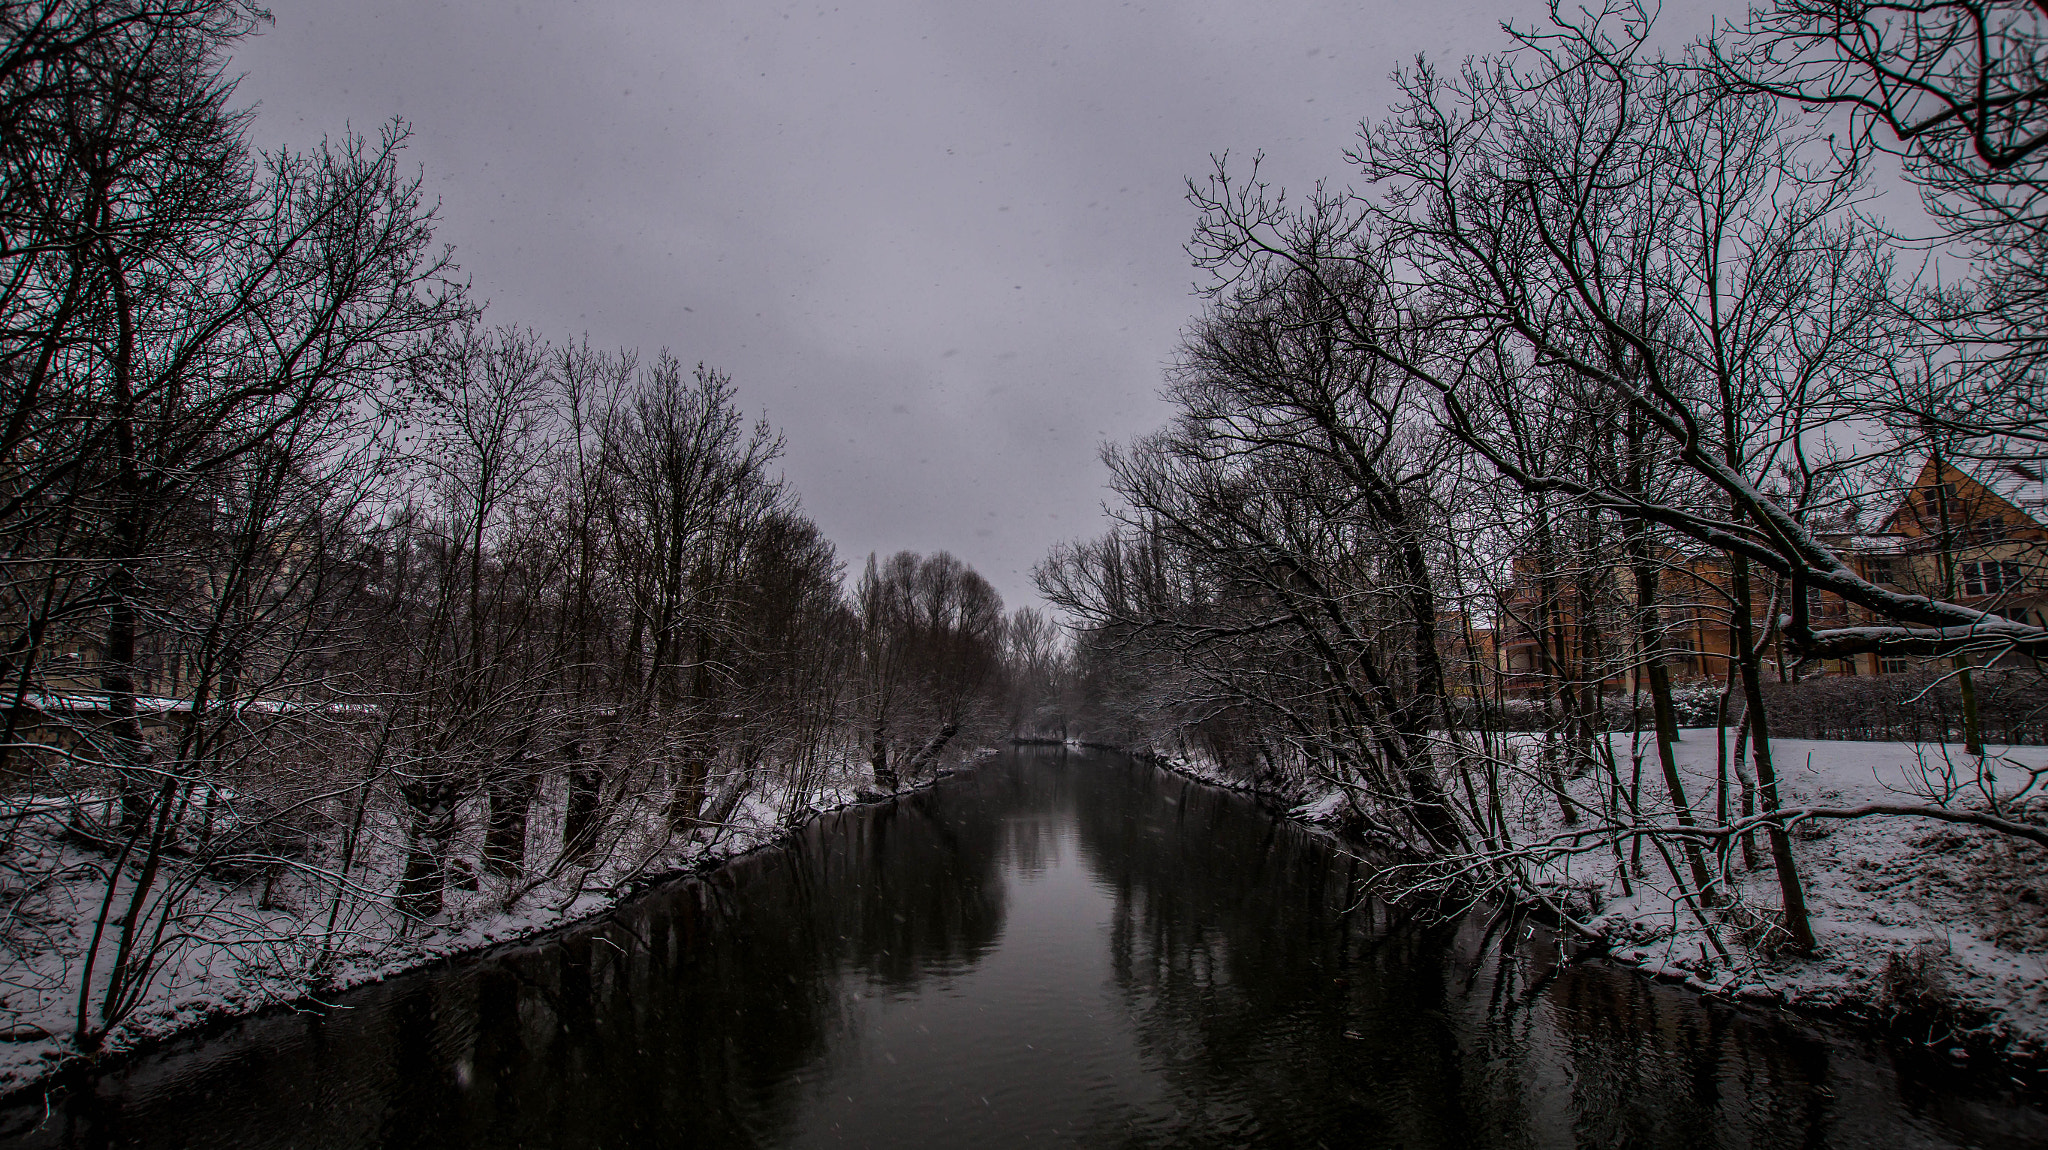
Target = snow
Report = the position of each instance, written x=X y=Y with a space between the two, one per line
x=243 y=954
x=1901 y=906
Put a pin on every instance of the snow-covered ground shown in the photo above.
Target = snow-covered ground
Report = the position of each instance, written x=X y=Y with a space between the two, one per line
x=269 y=942
x=1939 y=926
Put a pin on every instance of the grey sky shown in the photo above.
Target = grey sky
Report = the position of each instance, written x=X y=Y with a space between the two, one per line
x=937 y=242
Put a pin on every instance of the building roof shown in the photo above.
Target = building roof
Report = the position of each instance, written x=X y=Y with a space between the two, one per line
x=2019 y=477
x=1880 y=543
x=2021 y=481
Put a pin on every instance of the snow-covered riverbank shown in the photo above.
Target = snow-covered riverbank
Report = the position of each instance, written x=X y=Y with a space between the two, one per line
x=1938 y=930
x=280 y=951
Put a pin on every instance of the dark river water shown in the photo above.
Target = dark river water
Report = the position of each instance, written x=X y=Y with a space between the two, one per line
x=1047 y=950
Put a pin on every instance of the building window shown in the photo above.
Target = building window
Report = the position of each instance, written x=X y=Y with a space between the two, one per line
x=1820 y=605
x=1991 y=577
x=1936 y=497
x=1893 y=665
x=1878 y=569
x=1990 y=529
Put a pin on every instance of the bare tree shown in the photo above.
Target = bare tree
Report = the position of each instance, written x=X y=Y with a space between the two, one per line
x=930 y=643
x=1958 y=90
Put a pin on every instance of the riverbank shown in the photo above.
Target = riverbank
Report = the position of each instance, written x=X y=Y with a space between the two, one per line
x=225 y=982
x=1934 y=933
x=1068 y=948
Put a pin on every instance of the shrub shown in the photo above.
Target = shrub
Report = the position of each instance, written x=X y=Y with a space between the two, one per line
x=1913 y=992
x=2012 y=707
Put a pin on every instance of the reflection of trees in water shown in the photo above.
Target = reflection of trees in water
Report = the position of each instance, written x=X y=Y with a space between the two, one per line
x=1236 y=946
x=690 y=1014
x=1652 y=1058
x=894 y=892
x=1027 y=797
x=1031 y=844
x=1278 y=1010
x=1617 y=1059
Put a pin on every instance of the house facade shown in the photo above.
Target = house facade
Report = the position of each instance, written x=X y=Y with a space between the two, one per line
x=1973 y=532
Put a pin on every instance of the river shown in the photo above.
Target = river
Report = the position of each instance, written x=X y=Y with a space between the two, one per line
x=1050 y=949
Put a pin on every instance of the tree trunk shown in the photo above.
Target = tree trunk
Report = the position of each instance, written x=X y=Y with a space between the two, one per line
x=1550 y=650
x=1791 y=893
x=878 y=759
x=432 y=807
x=508 y=801
x=929 y=754
x=688 y=798
x=1745 y=777
x=579 y=817
x=1973 y=735
x=1667 y=756
x=1651 y=641
x=735 y=787
x=122 y=739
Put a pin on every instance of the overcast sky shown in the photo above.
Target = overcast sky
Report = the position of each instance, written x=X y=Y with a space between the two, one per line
x=937 y=242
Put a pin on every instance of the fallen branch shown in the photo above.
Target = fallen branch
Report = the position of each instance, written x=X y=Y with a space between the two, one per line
x=1945 y=814
x=1789 y=816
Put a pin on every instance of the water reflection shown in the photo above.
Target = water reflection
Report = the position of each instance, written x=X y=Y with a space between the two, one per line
x=1075 y=950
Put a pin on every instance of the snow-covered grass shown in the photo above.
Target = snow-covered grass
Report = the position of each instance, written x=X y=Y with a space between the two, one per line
x=1937 y=927
x=1901 y=906
x=241 y=942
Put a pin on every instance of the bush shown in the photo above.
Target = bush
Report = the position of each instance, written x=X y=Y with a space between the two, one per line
x=2012 y=707
x=1693 y=704
x=1913 y=993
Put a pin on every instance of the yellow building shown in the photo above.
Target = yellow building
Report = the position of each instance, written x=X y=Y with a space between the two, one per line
x=1971 y=532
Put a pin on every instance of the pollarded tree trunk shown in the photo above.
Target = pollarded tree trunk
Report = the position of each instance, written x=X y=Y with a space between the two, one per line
x=508 y=802
x=431 y=806
x=878 y=759
x=580 y=814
